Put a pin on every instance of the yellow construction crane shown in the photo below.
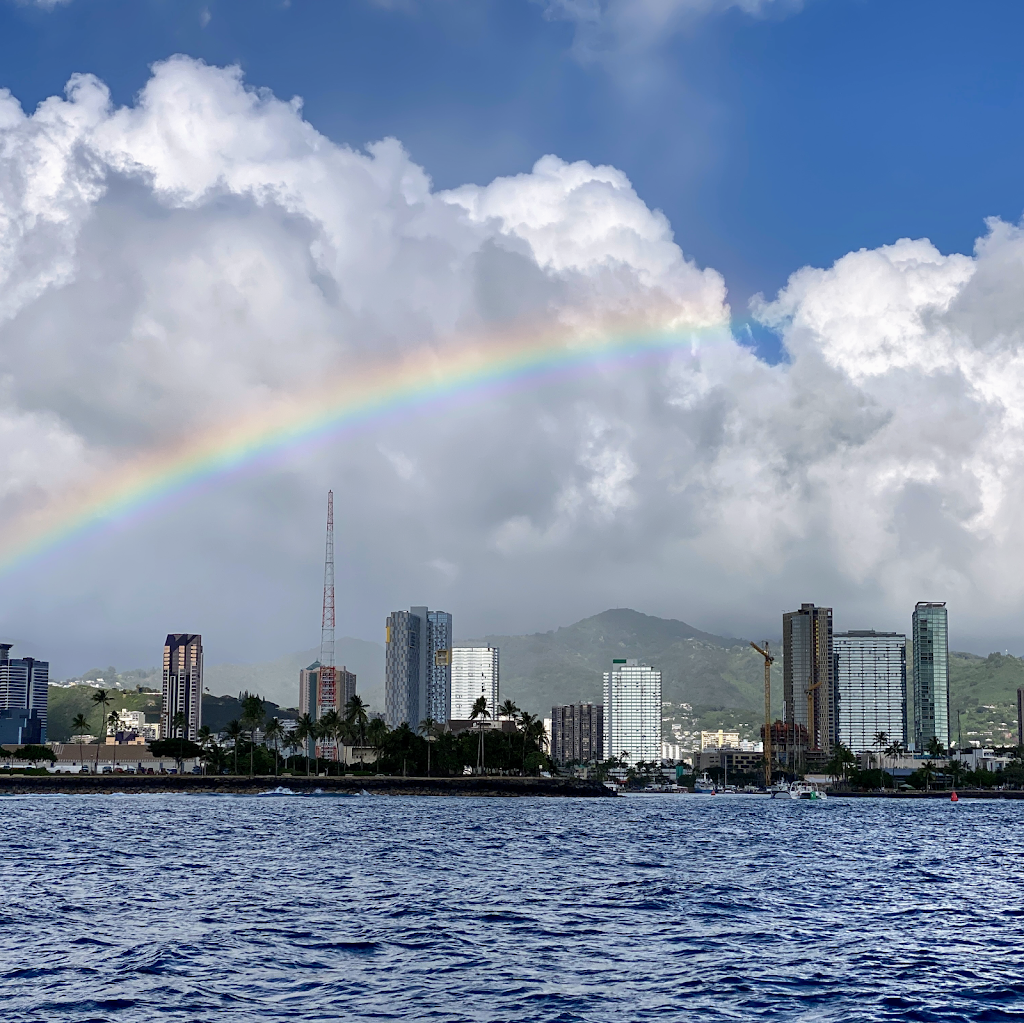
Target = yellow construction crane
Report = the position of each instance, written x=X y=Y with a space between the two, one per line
x=766 y=653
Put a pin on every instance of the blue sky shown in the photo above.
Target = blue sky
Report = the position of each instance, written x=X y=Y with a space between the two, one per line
x=770 y=142
x=168 y=267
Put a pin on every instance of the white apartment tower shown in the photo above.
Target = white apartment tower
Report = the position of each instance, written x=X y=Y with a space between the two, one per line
x=183 y=686
x=871 y=673
x=632 y=711
x=474 y=674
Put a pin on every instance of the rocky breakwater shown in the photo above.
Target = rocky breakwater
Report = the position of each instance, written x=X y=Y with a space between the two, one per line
x=485 y=785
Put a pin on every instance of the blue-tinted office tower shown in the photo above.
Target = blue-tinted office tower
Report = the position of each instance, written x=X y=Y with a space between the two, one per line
x=931 y=675
x=23 y=691
x=417 y=666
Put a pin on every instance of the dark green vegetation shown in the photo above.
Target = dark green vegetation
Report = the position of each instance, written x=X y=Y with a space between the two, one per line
x=259 y=745
x=66 y=704
x=698 y=668
x=984 y=691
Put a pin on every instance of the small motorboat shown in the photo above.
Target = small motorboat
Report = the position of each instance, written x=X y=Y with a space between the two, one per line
x=804 y=790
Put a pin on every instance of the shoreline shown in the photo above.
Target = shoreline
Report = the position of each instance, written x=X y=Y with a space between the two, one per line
x=465 y=785
x=935 y=794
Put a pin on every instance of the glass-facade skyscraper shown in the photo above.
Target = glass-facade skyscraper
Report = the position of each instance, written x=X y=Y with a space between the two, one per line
x=930 y=639
x=417 y=666
x=632 y=711
x=24 y=685
x=871 y=677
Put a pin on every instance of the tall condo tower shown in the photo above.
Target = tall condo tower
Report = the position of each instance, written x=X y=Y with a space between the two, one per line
x=931 y=674
x=474 y=674
x=632 y=711
x=871 y=677
x=183 y=686
x=327 y=693
x=417 y=666
x=808 y=675
x=577 y=733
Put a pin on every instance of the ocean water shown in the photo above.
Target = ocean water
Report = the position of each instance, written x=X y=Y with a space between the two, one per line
x=205 y=908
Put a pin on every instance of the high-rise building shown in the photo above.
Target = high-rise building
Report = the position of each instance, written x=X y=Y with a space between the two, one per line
x=24 y=685
x=436 y=694
x=871 y=677
x=577 y=733
x=309 y=694
x=632 y=711
x=183 y=686
x=417 y=666
x=474 y=674
x=309 y=682
x=808 y=675
x=929 y=635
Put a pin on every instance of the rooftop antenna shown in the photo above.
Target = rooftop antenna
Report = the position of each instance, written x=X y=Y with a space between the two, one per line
x=327 y=688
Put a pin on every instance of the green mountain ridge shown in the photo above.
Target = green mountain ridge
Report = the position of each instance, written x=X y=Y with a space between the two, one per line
x=698 y=668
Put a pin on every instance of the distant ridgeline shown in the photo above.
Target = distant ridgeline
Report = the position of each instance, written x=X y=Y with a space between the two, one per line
x=720 y=678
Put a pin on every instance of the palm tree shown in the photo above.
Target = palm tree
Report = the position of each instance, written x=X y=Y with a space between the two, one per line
x=273 y=733
x=233 y=730
x=292 y=742
x=526 y=721
x=480 y=713
x=894 y=751
x=428 y=729
x=80 y=726
x=205 y=737
x=180 y=724
x=842 y=758
x=377 y=734
x=113 y=720
x=305 y=730
x=357 y=716
x=253 y=714
x=928 y=773
x=881 y=741
x=508 y=710
x=935 y=748
x=102 y=700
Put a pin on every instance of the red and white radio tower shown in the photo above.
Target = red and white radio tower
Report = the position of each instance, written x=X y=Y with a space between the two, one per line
x=327 y=692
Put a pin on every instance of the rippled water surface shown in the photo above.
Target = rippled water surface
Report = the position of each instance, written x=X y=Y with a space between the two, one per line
x=205 y=908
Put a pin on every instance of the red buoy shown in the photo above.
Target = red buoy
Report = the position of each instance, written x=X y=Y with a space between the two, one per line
x=954 y=798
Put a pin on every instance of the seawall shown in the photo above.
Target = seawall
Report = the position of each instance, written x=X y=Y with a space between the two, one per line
x=86 y=784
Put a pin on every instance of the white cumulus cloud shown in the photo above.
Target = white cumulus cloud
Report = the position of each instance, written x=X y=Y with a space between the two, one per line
x=173 y=264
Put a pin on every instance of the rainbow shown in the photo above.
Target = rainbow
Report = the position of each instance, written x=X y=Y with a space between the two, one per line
x=426 y=377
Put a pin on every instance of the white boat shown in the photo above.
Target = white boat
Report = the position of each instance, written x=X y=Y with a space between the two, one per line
x=704 y=784
x=804 y=790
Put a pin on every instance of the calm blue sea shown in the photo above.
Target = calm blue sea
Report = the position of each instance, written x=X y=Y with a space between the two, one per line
x=206 y=908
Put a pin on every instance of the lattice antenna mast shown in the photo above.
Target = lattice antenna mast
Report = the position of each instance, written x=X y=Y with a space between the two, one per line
x=327 y=628
x=327 y=690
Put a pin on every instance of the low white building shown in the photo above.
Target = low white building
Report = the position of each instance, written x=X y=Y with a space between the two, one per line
x=75 y=758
